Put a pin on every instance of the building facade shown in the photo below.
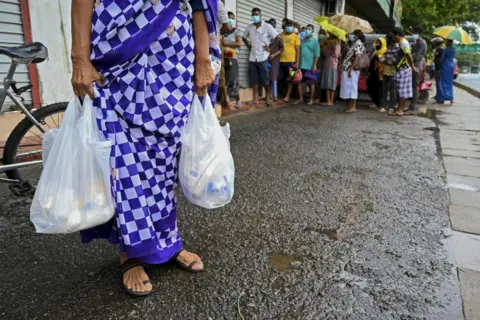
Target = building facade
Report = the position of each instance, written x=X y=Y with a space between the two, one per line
x=48 y=21
x=15 y=31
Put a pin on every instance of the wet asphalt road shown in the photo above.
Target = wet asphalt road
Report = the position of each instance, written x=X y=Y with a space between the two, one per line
x=335 y=216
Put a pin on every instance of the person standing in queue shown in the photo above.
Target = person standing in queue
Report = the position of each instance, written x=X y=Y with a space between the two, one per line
x=258 y=37
x=276 y=48
x=290 y=56
x=389 y=62
x=375 y=72
x=405 y=68
x=419 y=52
x=329 y=72
x=350 y=76
x=309 y=54
x=437 y=60
x=445 y=83
x=232 y=42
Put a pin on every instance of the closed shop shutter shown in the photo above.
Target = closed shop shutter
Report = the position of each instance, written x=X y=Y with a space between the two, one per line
x=11 y=34
x=305 y=11
x=270 y=9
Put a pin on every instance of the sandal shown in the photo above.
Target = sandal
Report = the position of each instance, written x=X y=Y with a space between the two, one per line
x=186 y=267
x=351 y=110
x=130 y=264
x=395 y=114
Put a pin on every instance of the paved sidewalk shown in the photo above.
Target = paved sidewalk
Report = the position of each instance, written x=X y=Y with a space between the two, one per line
x=460 y=141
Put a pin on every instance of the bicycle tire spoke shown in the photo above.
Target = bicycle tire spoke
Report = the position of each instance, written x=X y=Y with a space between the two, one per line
x=54 y=122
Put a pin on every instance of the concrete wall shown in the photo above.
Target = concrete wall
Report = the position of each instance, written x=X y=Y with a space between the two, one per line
x=50 y=21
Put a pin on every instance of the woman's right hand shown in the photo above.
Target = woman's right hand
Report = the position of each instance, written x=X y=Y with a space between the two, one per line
x=83 y=77
x=204 y=76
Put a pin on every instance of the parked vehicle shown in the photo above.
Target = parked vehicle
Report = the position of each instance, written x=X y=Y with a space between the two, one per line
x=22 y=155
x=475 y=69
x=456 y=71
x=424 y=89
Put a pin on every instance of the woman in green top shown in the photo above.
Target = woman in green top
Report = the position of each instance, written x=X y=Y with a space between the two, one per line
x=309 y=54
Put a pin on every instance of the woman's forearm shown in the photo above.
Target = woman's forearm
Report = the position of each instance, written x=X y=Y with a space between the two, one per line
x=81 y=28
x=201 y=36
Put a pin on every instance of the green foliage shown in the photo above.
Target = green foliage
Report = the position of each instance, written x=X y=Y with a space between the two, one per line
x=436 y=13
x=467 y=59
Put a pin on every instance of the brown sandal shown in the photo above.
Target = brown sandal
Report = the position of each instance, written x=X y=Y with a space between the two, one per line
x=186 y=267
x=130 y=264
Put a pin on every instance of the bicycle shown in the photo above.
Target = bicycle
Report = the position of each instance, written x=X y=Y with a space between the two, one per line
x=21 y=162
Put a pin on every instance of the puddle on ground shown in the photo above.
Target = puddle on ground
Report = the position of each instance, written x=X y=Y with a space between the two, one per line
x=282 y=262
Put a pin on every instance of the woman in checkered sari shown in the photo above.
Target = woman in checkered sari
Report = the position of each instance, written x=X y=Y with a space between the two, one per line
x=136 y=59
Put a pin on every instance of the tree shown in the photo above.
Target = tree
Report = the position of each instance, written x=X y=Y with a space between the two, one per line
x=467 y=59
x=436 y=13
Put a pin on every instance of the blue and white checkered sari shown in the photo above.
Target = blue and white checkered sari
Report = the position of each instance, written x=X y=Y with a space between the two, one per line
x=144 y=49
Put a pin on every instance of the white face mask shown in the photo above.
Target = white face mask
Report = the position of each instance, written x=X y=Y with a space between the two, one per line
x=295 y=30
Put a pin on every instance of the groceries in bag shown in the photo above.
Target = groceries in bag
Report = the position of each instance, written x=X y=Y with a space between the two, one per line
x=74 y=191
x=206 y=170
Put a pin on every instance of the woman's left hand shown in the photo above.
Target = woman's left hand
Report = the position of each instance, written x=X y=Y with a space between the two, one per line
x=204 y=76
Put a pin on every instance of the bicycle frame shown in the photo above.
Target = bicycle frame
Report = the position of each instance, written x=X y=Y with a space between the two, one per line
x=5 y=91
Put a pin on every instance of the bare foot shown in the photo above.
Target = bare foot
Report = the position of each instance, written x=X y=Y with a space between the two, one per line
x=298 y=101
x=351 y=110
x=186 y=258
x=135 y=278
x=286 y=99
x=310 y=103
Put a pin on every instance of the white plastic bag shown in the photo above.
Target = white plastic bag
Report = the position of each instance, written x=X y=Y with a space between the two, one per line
x=74 y=189
x=206 y=170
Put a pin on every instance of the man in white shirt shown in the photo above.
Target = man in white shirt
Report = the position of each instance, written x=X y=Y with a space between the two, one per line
x=257 y=38
x=222 y=18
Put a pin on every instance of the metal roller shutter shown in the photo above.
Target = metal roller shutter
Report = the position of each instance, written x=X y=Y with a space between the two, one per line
x=11 y=34
x=270 y=9
x=304 y=11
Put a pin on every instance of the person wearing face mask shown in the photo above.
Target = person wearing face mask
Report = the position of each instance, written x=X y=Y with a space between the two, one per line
x=419 y=52
x=276 y=48
x=309 y=54
x=289 y=58
x=350 y=75
x=302 y=33
x=330 y=68
x=258 y=37
x=374 y=83
x=231 y=42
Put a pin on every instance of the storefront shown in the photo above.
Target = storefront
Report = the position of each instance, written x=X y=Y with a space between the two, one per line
x=15 y=31
x=301 y=11
x=305 y=11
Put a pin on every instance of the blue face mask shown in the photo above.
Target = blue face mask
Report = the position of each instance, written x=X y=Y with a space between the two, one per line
x=302 y=34
x=256 y=19
x=232 y=22
x=322 y=37
x=289 y=29
x=308 y=33
x=415 y=37
x=351 y=37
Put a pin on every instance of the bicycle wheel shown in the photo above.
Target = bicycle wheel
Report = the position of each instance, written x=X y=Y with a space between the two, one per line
x=25 y=142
